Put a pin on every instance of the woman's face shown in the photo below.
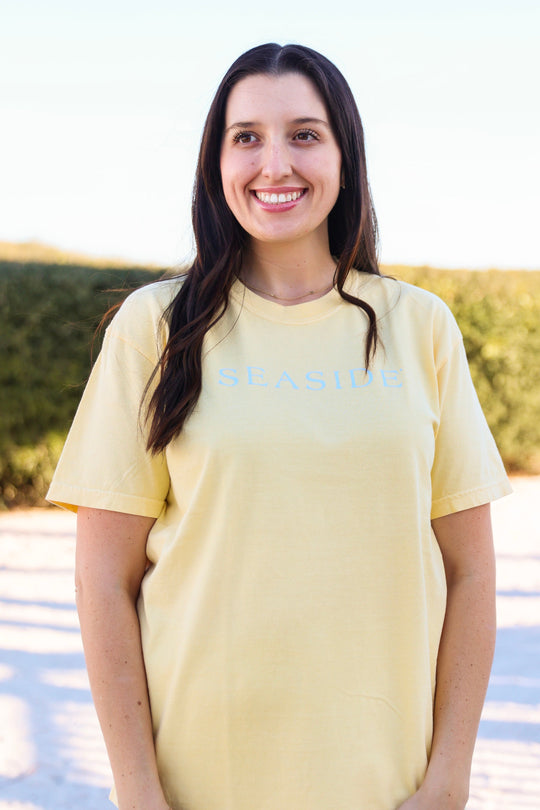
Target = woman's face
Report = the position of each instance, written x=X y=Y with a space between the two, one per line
x=280 y=161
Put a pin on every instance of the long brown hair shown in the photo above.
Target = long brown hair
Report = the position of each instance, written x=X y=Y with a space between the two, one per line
x=220 y=240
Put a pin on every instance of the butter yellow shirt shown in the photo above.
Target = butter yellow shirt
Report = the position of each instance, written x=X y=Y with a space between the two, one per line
x=292 y=611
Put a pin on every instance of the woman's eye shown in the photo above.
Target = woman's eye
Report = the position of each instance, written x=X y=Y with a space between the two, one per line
x=244 y=137
x=306 y=135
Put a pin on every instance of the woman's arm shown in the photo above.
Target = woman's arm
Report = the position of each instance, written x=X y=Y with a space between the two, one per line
x=465 y=657
x=110 y=564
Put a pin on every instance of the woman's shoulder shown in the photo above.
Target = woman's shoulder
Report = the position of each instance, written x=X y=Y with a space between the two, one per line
x=140 y=320
x=406 y=310
x=150 y=300
x=388 y=295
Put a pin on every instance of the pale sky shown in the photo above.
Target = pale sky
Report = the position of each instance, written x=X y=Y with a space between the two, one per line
x=102 y=103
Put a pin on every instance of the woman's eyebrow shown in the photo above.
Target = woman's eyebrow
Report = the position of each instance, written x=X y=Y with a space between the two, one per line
x=243 y=125
x=309 y=120
x=297 y=121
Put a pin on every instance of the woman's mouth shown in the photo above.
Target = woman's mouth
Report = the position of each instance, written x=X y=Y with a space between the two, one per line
x=279 y=198
x=273 y=198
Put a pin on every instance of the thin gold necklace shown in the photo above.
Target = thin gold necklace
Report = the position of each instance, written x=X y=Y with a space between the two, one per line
x=322 y=291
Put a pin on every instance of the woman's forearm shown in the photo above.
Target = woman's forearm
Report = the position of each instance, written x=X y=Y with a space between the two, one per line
x=464 y=658
x=464 y=663
x=465 y=651
x=110 y=565
x=111 y=639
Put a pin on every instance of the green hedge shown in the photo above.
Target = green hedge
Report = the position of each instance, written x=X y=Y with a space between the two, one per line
x=49 y=314
x=48 y=318
x=499 y=315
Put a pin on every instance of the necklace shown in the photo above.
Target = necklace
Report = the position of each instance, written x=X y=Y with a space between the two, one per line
x=322 y=291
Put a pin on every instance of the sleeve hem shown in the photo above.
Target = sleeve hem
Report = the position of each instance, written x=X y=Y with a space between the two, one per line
x=70 y=498
x=470 y=498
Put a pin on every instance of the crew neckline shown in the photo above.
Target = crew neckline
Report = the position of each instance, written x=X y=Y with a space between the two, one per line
x=297 y=313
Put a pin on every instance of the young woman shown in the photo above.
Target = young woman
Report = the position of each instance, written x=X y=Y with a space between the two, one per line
x=285 y=572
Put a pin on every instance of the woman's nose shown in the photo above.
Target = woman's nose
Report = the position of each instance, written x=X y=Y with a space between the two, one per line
x=276 y=161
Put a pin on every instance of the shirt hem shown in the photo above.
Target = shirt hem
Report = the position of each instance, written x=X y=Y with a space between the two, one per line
x=70 y=498
x=470 y=498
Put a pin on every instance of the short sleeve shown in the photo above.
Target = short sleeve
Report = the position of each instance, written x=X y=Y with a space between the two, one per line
x=104 y=463
x=467 y=469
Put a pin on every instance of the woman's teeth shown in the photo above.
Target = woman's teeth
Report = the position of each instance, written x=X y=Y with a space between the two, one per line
x=275 y=199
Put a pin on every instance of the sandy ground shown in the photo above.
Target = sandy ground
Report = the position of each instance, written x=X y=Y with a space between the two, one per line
x=51 y=752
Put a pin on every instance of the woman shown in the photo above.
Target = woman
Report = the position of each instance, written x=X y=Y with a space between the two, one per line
x=283 y=491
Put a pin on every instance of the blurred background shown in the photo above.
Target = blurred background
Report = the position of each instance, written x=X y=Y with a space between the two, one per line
x=102 y=105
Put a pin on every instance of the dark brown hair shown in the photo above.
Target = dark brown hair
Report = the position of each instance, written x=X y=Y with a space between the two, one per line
x=220 y=240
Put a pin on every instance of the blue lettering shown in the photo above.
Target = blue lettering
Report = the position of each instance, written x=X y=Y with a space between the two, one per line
x=336 y=376
x=367 y=374
x=310 y=378
x=285 y=376
x=233 y=379
x=255 y=374
x=390 y=379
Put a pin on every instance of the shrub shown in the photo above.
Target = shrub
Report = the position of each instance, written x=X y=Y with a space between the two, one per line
x=48 y=318
x=499 y=315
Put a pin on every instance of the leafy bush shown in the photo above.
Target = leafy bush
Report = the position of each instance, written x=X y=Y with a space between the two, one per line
x=499 y=315
x=48 y=319
x=49 y=314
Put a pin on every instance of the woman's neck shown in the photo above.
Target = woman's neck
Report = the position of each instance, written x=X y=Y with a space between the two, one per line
x=287 y=273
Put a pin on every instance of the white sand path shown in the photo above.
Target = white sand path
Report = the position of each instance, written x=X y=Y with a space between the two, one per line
x=51 y=753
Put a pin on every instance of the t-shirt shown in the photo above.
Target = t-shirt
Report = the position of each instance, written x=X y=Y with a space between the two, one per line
x=292 y=611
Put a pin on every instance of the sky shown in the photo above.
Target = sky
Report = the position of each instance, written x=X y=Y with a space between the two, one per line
x=102 y=104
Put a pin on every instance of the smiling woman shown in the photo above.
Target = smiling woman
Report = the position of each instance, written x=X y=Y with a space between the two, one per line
x=284 y=558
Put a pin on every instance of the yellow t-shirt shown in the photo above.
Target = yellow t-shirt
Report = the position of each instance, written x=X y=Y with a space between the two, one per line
x=292 y=612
